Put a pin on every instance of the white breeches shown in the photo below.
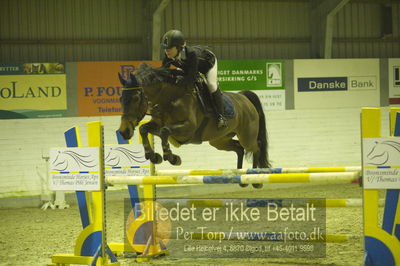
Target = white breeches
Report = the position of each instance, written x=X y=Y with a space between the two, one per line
x=211 y=77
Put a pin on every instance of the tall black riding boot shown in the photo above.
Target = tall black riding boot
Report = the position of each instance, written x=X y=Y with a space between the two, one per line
x=219 y=108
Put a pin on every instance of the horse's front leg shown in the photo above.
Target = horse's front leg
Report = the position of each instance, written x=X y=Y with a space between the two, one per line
x=149 y=153
x=165 y=132
x=186 y=128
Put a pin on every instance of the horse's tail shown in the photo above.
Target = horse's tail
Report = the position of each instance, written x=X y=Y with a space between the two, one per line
x=262 y=138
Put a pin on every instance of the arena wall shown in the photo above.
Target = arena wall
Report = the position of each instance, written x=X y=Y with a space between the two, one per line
x=305 y=134
x=322 y=137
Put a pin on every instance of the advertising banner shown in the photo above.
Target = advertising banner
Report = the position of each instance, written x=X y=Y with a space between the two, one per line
x=99 y=88
x=75 y=169
x=335 y=83
x=381 y=163
x=264 y=77
x=394 y=81
x=323 y=84
x=125 y=160
x=32 y=90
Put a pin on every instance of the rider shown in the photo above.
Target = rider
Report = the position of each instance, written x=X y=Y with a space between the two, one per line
x=194 y=59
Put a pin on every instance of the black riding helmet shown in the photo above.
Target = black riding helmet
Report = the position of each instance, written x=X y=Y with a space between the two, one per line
x=173 y=38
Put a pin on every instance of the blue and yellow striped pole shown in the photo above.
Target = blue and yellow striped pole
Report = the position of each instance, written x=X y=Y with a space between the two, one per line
x=341 y=177
x=391 y=218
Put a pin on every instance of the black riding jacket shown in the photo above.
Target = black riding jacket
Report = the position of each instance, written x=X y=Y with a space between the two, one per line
x=192 y=59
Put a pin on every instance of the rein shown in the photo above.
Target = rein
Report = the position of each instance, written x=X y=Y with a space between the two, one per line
x=143 y=101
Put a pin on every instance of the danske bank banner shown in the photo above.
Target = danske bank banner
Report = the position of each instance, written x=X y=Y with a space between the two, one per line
x=322 y=84
x=336 y=83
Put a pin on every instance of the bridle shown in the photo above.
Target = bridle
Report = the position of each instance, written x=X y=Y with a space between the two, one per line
x=143 y=104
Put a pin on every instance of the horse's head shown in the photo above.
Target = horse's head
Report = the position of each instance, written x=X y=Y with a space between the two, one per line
x=134 y=106
x=154 y=84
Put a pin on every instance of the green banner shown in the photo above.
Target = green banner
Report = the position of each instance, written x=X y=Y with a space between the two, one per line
x=250 y=75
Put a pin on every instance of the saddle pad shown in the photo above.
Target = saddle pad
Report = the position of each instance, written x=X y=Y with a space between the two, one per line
x=229 y=108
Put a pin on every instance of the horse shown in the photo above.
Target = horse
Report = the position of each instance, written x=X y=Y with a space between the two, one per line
x=176 y=115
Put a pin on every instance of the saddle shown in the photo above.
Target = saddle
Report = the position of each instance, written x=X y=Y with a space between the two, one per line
x=205 y=99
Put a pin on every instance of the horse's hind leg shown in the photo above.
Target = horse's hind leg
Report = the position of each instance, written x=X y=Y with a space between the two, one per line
x=229 y=144
x=250 y=143
x=149 y=153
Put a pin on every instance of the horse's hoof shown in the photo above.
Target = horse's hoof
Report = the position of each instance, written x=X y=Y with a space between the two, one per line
x=258 y=186
x=243 y=185
x=176 y=160
x=167 y=156
x=156 y=159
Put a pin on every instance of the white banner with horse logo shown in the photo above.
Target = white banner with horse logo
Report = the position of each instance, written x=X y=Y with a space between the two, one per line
x=381 y=163
x=125 y=160
x=75 y=169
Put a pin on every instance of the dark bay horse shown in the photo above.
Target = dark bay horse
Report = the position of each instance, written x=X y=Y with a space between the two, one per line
x=177 y=115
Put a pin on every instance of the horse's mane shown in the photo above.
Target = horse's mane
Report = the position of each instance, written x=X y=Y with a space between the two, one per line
x=148 y=75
